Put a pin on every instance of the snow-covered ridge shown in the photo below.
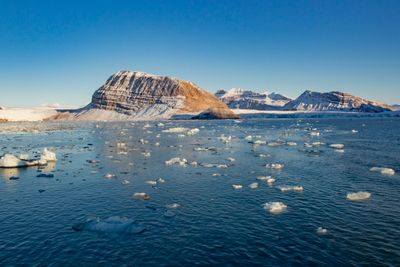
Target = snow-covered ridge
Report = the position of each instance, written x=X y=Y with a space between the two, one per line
x=307 y=101
x=246 y=99
x=335 y=101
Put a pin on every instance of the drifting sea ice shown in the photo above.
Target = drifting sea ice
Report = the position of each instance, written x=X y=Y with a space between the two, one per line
x=253 y=185
x=237 y=186
x=337 y=146
x=11 y=161
x=109 y=175
x=141 y=196
x=275 y=207
x=115 y=224
x=383 y=171
x=358 y=196
x=151 y=182
x=179 y=161
x=274 y=166
x=172 y=206
x=291 y=188
x=322 y=231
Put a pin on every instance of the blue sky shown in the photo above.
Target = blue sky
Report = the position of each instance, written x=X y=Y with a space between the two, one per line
x=62 y=51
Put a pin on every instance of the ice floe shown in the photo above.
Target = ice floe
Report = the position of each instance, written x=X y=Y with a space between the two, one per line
x=275 y=207
x=322 y=231
x=141 y=196
x=336 y=146
x=383 y=170
x=115 y=224
x=253 y=185
x=291 y=188
x=48 y=155
x=172 y=206
x=358 y=196
x=151 y=182
x=178 y=161
x=274 y=166
x=237 y=186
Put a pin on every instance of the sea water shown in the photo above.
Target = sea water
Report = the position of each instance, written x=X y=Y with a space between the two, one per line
x=86 y=213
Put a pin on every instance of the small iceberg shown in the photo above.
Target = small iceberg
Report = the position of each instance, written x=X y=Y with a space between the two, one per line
x=322 y=231
x=179 y=161
x=48 y=155
x=172 y=206
x=237 y=186
x=275 y=207
x=274 y=166
x=109 y=176
x=358 y=196
x=383 y=171
x=115 y=224
x=337 y=146
x=141 y=196
x=253 y=185
x=151 y=182
x=291 y=188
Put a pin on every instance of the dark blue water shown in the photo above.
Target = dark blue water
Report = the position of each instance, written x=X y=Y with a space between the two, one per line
x=214 y=224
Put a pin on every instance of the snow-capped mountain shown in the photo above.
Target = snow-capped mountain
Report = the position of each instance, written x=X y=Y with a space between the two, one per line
x=246 y=99
x=335 y=101
x=138 y=95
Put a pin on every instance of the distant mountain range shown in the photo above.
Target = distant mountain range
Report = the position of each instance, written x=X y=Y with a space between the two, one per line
x=307 y=101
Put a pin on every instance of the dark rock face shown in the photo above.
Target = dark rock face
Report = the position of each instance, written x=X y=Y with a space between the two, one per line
x=216 y=113
x=141 y=95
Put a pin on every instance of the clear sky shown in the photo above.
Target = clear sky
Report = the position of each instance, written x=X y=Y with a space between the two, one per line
x=62 y=51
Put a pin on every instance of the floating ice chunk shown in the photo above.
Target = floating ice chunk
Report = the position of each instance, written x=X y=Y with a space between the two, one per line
x=160 y=124
x=291 y=188
x=125 y=182
x=160 y=180
x=337 y=146
x=169 y=214
x=230 y=159
x=179 y=161
x=194 y=163
x=248 y=138
x=322 y=231
x=146 y=154
x=48 y=155
x=151 y=182
x=274 y=166
x=176 y=130
x=11 y=161
x=253 y=185
x=109 y=175
x=312 y=144
x=181 y=135
x=237 y=186
x=275 y=207
x=358 y=196
x=222 y=166
x=354 y=131
x=259 y=142
x=157 y=144
x=273 y=144
x=268 y=179
x=193 y=131
x=339 y=150
x=216 y=174
x=383 y=171
x=314 y=134
x=263 y=155
x=200 y=149
x=23 y=156
x=141 y=196
x=115 y=224
x=172 y=206
x=291 y=143
x=225 y=139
